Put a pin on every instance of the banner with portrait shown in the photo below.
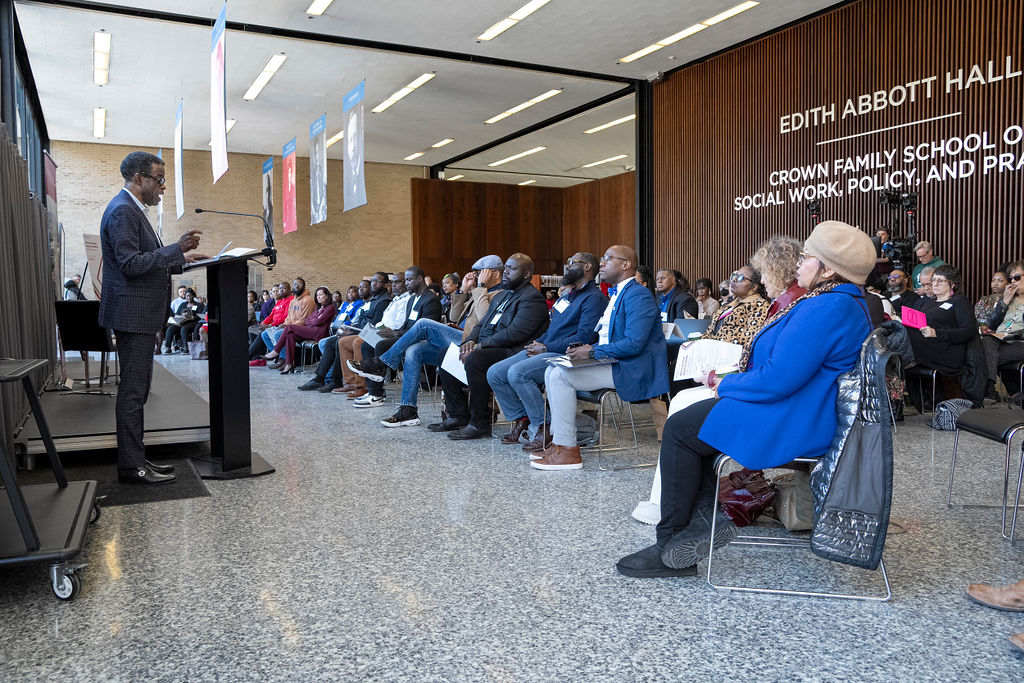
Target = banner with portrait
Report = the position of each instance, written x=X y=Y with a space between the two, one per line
x=160 y=204
x=179 y=181
x=318 y=171
x=268 y=193
x=352 y=115
x=218 y=108
x=288 y=207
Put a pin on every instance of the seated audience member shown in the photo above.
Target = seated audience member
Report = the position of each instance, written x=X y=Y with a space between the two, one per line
x=73 y=289
x=900 y=294
x=925 y=278
x=192 y=310
x=707 y=304
x=645 y=276
x=266 y=304
x=550 y=297
x=338 y=299
x=630 y=335
x=252 y=304
x=942 y=344
x=515 y=317
x=394 y=314
x=1003 y=341
x=739 y=319
x=788 y=392
x=299 y=308
x=877 y=298
x=166 y=336
x=325 y=377
x=427 y=341
x=674 y=301
x=371 y=313
x=986 y=305
x=724 y=292
x=421 y=303
x=313 y=328
x=282 y=298
x=926 y=258
x=776 y=259
x=516 y=380
x=463 y=298
x=449 y=288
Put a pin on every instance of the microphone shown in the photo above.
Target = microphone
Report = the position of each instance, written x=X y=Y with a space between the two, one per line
x=268 y=236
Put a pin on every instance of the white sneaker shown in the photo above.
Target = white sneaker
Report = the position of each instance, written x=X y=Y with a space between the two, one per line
x=647 y=512
x=369 y=401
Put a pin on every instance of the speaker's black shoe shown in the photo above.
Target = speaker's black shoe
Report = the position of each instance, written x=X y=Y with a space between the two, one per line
x=142 y=475
x=160 y=469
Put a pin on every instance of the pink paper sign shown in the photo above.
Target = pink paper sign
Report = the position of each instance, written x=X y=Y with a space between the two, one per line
x=914 y=318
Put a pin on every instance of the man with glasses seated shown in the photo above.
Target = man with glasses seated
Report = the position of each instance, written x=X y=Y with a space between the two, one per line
x=632 y=348
x=900 y=293
x=516 y=380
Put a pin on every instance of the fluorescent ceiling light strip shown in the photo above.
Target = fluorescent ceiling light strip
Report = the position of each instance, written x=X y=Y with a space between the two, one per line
x=549 y=93
x=100 y=76
x=743 y=7
x=527 y=182
x=402 y=92
x=335 y=138
x=318 y=7
x=101 y=41
x=442 y=143
x=610 y=124
x=99 y=122
x=499 y=117
x=101 y=58
x=264 y=77
x=604 y=161
x=456 y=177
x=519 y=107
x=517 y=156
x=528 y=9
x=414 y=155
x=686 y=32
x=512 y=19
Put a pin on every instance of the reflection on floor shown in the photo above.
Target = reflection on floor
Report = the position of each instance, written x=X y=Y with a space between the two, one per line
x=377 y=554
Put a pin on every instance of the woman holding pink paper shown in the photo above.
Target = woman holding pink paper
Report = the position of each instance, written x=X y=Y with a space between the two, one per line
x=941 y=343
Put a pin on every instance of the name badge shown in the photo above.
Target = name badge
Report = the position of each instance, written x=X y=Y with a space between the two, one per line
x=894 y=298
x=365 y=307
x=413 y=315
x=664 y=316
x=496 y=318
x=946 y=306
x=561 y=305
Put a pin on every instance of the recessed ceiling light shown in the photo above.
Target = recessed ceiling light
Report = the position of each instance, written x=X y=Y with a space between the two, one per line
x=456 y=177
x=517 y=156
x=604 y=161
x=100 y=58
x=610 y=124
x=688 y=31
x=527 y=182
x=442 y=143
x=99 y=122
x=337 y=136
x=519 y=107
x=264 y=77
x=512 y=19
x=399 y=94
x=414 y=155
x=318 y=7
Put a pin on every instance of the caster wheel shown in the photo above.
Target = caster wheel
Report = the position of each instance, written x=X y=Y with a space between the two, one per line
x=70 y=586
x=95 y=514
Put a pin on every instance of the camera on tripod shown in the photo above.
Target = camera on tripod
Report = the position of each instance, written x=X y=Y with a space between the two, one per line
x=900 y=249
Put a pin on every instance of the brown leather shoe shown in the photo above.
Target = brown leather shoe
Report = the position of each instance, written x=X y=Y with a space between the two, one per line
x=559 y=458
x=1017 y=640
x=1009 y=598
x=518 y=427
x=345 y=388
x=353 y=395
x=542 y=440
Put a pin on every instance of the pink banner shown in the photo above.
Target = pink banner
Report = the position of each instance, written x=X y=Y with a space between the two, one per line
x=291 y=223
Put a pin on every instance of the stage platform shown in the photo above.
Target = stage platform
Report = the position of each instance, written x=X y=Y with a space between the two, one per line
x=174 y=414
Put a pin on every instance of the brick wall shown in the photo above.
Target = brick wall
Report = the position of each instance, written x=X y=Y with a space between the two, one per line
x=335 y=253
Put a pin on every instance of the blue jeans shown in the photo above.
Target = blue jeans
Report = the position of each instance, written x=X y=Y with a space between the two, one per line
x=424 y=344
x=516 y=384
x=322 y=344
x=270 y=337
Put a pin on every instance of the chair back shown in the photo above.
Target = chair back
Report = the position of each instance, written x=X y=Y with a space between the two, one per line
x=79 y=327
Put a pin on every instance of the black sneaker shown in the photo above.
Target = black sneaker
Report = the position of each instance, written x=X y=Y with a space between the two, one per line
x=369 y=368
x=328 y=388
x=311 y=385
x=405 y=417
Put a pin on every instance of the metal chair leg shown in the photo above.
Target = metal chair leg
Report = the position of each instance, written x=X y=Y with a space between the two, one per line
x=952 y=468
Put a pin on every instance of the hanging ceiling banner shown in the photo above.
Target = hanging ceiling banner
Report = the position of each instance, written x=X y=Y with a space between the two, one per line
x=352 y=114
x=318 y=171
x=268 y=194
x=179 y=181
x=288 y=194
x=160 y=205
x=218 y=108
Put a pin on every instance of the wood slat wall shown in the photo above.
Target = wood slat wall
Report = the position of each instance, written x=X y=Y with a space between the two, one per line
x=455 y=223
x=717 y=132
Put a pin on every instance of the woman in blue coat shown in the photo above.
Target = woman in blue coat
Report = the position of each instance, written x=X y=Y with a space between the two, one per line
x=783 y=407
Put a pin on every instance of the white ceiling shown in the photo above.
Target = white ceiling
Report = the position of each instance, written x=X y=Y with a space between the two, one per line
x=155 y=63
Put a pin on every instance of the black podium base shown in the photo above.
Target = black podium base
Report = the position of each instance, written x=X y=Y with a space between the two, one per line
x=214 y=469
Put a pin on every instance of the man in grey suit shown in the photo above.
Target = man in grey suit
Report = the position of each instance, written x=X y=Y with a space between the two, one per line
x=137 y=271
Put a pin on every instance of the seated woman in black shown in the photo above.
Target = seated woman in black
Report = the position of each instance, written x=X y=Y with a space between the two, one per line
x=942 y=344
x=195 y=308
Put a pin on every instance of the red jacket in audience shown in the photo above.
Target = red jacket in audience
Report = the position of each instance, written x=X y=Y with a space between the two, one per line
x=279 y=313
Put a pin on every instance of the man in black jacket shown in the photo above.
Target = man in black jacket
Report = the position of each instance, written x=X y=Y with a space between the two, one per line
x=423 y=303
x=513 y=319
x=673 y=299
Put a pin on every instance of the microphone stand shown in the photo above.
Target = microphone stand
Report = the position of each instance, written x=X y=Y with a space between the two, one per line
x=268 y=236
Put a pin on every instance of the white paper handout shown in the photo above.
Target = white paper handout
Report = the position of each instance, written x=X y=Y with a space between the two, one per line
x=453 y=366
x=700 y=356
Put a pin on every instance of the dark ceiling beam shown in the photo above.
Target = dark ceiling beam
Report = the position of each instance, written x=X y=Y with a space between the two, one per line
x=292 y=34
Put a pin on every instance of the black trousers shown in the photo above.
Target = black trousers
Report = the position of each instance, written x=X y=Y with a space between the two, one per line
x=257 y=347
x=188 y=333
x=376 y=388
x=328 y=359
x=135 y=355
x=477 y=408
x=687 y=468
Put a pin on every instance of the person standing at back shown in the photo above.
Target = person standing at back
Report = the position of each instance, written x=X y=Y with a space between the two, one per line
x=136 y=296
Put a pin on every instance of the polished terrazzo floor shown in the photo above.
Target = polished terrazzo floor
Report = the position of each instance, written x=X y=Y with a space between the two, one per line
x=396 y=555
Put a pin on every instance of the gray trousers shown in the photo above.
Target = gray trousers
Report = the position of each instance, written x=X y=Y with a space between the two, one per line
x=561 y=385
x=135 y=355
x=999 y=352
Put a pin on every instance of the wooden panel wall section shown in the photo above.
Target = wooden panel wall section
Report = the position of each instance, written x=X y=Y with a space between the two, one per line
x=719 y=134
x=455 y=223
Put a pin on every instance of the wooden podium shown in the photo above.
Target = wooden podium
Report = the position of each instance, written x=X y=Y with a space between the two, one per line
x=227 y=327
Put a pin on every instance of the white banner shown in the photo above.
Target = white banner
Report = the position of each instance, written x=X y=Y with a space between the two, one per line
x=218 y=108
x=318 y=171
x=94 y=257
x=179 y=182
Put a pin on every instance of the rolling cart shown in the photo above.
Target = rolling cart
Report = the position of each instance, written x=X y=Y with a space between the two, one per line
x=44 y=522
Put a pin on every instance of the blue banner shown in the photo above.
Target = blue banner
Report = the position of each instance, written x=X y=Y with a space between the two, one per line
x=352 y=113
x=318 y=171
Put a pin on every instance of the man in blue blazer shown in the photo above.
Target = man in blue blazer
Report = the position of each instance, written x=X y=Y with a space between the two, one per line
x=137 y=271
x=631 y=344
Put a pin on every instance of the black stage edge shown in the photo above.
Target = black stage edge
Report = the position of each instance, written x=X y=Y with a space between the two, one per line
x=228 y=325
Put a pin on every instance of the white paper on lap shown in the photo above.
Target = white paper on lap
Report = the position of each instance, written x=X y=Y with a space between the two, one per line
x=452 y=365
